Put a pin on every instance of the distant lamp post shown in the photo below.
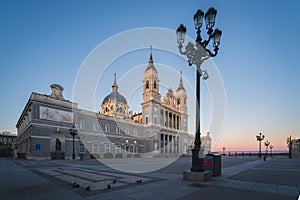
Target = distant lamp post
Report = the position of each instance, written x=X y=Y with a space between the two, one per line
x=196 y=55
x=73 y=133
x=267 y=143
x=126 y=146
x=289 y=143
x=271 y=147
x=259 y=138
x=223 y=151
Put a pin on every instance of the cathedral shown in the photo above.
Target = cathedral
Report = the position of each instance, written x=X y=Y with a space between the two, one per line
x=161 y=129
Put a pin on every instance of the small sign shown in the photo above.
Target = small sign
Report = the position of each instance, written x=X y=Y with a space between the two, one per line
x=38 y=147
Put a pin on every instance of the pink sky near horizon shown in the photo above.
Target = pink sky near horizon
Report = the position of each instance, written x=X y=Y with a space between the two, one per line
x=251 y=144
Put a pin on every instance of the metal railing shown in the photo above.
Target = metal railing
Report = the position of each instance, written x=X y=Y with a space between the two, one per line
x=252 y=153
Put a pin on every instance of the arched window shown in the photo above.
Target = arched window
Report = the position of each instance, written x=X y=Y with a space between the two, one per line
x=117 y=130
x=154 y=84
x=178 y=101
x=120 y=110
x=146 y=120
x=81 y=148
x=57 y=145
x=107 y=128
x=147 y=84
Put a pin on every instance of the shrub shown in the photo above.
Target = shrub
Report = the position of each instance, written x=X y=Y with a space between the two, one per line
x=137 y=155
x=108 y=155
x=95 y=155
x=119 y=155
x=129 y=155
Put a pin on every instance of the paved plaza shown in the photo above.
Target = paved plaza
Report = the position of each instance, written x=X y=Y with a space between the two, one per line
x=242 y=178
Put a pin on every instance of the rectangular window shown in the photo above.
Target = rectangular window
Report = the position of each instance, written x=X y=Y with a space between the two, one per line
x=118 y=149
x=81 y=125
x=126 y=149
x=135 y=132
x=117 y=130
x=95 y=126
x=81 y=148
x=135 y=149
x=95 y=148
x=107 y=148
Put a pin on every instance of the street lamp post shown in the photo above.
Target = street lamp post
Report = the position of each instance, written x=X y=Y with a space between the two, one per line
x=271 y=147
x=289 y=143
x=259 y=138
x=267 y=143
x=196 y=55
x=73 y=133
x=223 y=151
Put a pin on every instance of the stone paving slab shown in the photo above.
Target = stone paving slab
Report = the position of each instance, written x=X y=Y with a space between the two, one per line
x=256 y=176
x=17 y=182
x=166 y=183
x=224 y=193
x=96 y=181
x=270 y=176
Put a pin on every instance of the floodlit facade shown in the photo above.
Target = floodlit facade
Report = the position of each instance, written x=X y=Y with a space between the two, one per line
x=113 y=132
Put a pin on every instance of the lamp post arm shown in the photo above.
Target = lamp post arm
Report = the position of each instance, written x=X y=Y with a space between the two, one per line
x=186 y=52
x=216 y=49
x=180 y=49
x=206 y=42
x=199 y=39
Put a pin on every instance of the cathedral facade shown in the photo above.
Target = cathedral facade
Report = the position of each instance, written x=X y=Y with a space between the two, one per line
x=161 y=129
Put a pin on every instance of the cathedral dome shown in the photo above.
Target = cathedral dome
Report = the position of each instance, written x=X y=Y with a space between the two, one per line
x=114 y=104
x=114 y=96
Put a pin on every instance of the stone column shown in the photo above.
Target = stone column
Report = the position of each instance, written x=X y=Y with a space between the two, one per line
x=174 y=121
x=162 y=142
x=174 y=145
x=166 y=144
x=163 y=118
x=167 y=119
x=170 y=143
x=178 y=144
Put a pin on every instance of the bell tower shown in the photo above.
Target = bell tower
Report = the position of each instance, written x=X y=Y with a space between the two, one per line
x=181 y=104
x=151 y=96
x=151 y=82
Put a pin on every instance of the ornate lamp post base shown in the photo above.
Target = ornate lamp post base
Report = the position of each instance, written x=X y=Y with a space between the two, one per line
x=197 y=176
x=197 y=172
x=197 y=162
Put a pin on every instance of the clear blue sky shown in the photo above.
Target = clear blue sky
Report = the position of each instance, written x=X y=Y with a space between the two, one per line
x=45 y=42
